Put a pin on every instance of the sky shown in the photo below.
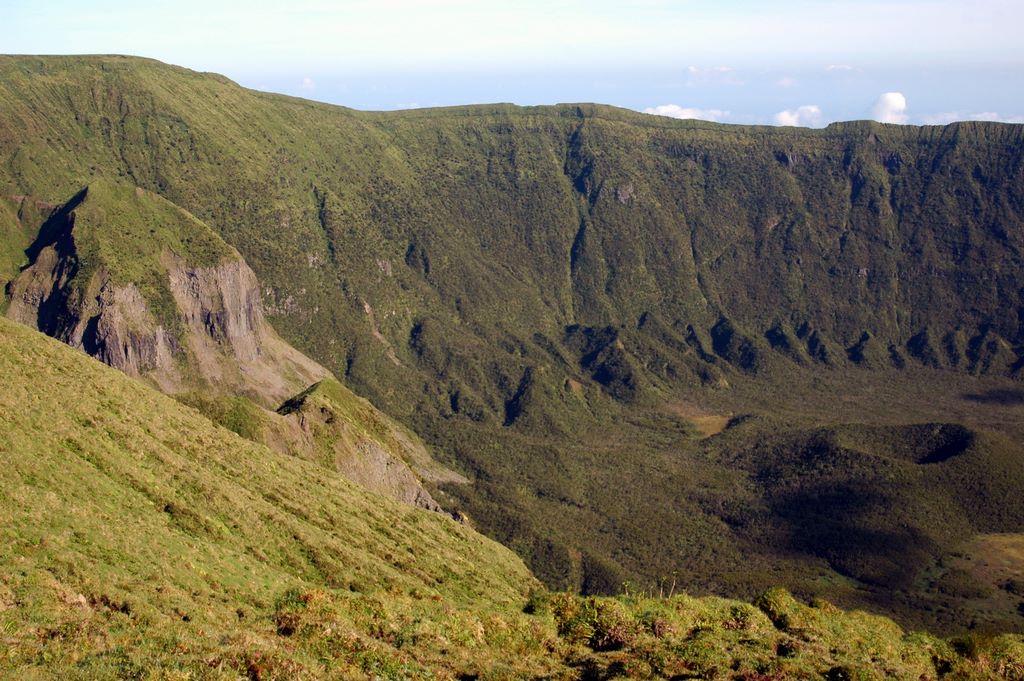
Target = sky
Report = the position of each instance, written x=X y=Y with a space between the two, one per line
x=779 y=62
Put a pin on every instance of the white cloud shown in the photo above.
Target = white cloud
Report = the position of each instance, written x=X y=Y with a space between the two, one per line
x=839 y=67
x=723 y=75
x=890 y=107
x=696 y=70
x=308 y=84
x=953 y=116
x=676 y=111
x=808 y=115
x=787 y=81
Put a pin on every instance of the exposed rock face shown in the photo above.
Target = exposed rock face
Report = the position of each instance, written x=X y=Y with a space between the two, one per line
x=121 y=332
x=214 y=336
x=110 y=322
x=188 y=327
x=367 y=463
x=223 y=316
x=221 y=302
x=374 y=468
x=346 y=433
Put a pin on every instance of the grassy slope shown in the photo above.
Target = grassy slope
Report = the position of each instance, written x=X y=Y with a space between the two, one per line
x=477 y=237
x=17 y=234
x=339 y=423
x=141 y=541
x=128 y=498
x=125 y=230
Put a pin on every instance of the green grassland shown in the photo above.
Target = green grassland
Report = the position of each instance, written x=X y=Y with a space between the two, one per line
x=534 y=290
x=131 y=519
x=126 y=228
x=141 y=541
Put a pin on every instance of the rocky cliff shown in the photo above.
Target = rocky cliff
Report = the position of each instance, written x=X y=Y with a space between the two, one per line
x=176 y=319
x=146 y=288
x=345 y=432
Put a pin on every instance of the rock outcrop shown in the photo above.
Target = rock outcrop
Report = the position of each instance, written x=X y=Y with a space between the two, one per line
x=111 y=273
x=222 y=312
x=345 y=432
x=182 y=325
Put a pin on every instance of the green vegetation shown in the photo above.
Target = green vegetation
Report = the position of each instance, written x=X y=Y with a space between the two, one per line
x=126 y=515
x=238 y=414
x=535 y=290
x=141 y=541
x=127 y=230
x=16 y=235
x=128 y=233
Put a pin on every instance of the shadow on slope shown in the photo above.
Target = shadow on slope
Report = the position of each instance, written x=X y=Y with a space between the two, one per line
x=1003 y=396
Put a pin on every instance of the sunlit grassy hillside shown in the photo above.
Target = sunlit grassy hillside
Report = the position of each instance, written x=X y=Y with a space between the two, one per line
x=128 y=515
x=140 y=541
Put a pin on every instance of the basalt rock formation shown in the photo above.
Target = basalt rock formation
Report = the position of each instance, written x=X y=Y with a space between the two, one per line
x=199 y=321
x=198 y=326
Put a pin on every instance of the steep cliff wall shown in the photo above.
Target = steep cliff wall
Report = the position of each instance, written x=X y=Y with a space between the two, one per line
x=345 y=432
x=117 y=272
x=102 y=279
x=222 y=312
x=709 y=248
